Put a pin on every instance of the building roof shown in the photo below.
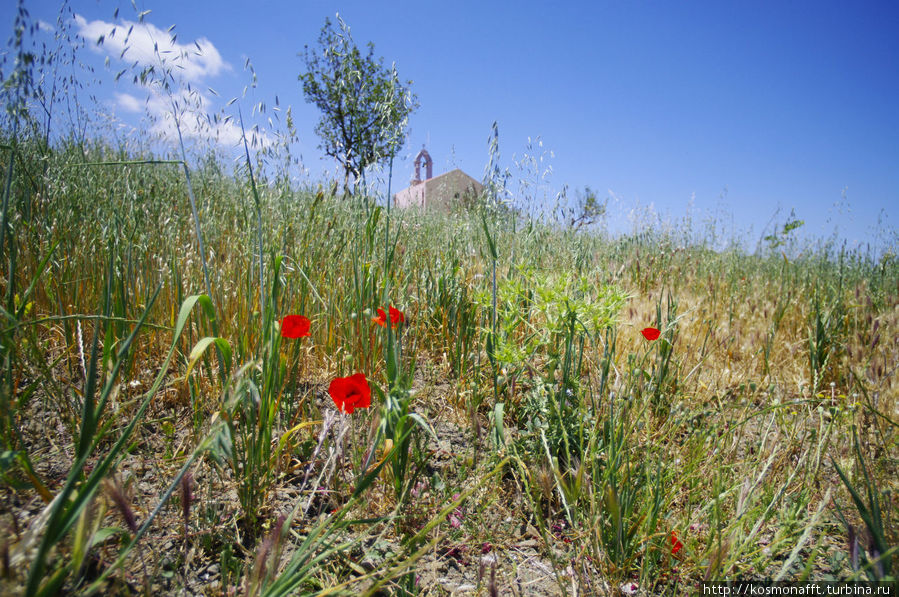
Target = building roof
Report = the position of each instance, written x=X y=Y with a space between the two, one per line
x=443 y=190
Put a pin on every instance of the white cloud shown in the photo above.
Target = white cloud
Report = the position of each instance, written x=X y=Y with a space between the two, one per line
x=128 y=102
x=148 y=45
x=45 y=26
x=193 y=116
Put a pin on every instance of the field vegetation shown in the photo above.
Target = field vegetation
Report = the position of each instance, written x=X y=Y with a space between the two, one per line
x=219 y=381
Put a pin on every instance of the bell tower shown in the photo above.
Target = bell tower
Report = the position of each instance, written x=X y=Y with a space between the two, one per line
x=425 y=157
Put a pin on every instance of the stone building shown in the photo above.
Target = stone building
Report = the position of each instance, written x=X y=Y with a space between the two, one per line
x=437 y=191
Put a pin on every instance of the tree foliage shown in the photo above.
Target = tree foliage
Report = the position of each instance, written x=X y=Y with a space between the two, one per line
x=588 y=209
x=365 y=107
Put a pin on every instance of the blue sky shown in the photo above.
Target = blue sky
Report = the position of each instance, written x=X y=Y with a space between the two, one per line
x=732 y=110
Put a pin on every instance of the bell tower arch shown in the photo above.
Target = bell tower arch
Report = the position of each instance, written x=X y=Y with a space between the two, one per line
x=425 y=158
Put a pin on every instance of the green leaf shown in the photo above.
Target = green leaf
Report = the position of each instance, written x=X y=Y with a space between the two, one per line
x=200 y=348
x=424 y=425
x=496 y=432
x=490 y=244
x=105 y=533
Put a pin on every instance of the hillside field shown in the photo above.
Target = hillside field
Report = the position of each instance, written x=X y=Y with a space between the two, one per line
x=170 y=426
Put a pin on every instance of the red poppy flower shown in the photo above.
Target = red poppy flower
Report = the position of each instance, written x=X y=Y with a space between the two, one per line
x=396 y=316
x=381 y=319
x=676 y=545
x=650 y=334
x=350 y=392
x=294 y=326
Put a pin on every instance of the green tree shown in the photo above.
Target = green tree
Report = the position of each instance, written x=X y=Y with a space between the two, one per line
x=588 y=209
x=365 y=107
